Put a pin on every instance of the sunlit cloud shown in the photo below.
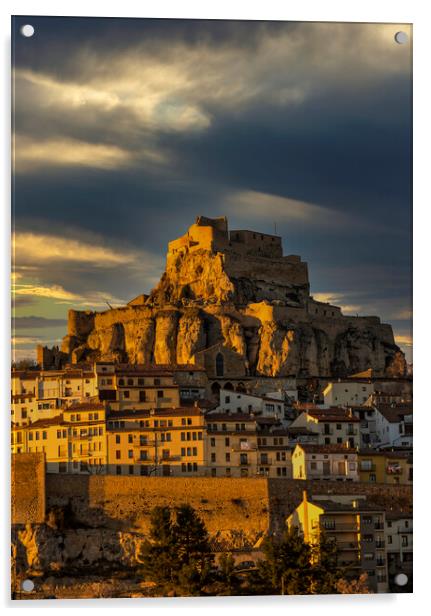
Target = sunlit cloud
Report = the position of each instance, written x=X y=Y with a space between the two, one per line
x=30 y=154
x=338 y=299
x=93 y=299
x=404 y=340
x=35 y=247
x=264 y=206
x=53 y=292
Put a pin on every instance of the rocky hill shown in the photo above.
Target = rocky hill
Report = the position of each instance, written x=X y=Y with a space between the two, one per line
x=234 y=294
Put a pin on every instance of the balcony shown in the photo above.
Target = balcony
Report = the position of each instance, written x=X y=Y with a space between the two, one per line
x=352 y=432
x=405 y=531
x=244 y=447
x=350 y=546
x=265 y=463
x=342 y=527
x=380 y=545
x=379 y=526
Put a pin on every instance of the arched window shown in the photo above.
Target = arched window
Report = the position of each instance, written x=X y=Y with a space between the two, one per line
x=228 y=386
x=219 y=364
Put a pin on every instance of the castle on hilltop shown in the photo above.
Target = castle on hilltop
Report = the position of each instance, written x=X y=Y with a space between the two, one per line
x=233 y=298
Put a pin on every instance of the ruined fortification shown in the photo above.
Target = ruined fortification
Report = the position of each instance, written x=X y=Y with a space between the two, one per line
x=230 y=301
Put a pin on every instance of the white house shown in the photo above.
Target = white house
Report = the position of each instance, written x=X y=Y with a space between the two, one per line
x=347 y=392
x=326 y=462
x=394 y=425
x=238 y=402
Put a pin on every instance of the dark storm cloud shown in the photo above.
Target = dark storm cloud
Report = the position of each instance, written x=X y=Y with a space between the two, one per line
x=126 y=130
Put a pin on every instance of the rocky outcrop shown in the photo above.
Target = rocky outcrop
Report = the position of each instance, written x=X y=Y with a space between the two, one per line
x=239 y=290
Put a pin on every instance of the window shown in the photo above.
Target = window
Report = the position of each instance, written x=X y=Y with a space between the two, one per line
x=159 y=393
x=228 y=457
x=227 y=399
x=117 y=439
x=130 y=382
x=212 y=442
x=130 y=453
x=404 y=541
x=130 y=438
x=156 y=382
x=131 y=469
x=118 y=470
x=126 y=393
x=227 y=441
x=219 y=364
x=213 y=457
x=118 y=454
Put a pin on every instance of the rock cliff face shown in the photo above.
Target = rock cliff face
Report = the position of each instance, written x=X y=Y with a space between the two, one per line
x=237 y=290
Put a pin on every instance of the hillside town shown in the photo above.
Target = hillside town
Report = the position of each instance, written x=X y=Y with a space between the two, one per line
x=166 y=421
x=227 y=378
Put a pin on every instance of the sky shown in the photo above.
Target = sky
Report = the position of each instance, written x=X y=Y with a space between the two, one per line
x=125 y=130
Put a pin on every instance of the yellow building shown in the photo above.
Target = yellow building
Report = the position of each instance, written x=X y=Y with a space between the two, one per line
x=379 y=466
x=168 y=442
x=73 y=441
x=357 y=528
x=137 y=387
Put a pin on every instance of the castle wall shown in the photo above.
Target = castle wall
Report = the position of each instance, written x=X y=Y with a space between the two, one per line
x=284 y=273
x=28 y=488
x=256 y=244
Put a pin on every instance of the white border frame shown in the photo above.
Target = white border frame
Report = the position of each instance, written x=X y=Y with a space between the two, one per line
x=395 y=11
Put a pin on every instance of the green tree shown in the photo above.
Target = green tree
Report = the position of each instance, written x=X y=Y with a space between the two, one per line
x=158 y=556
x=193 y=551
x=292 y=566
x=325 y=572
x=177 y=555
x=286 y=568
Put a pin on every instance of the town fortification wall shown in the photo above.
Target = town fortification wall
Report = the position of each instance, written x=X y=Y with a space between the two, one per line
x=28 y=488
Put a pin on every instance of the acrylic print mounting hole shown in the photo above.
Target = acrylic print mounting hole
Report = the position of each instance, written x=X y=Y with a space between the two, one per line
x=27 y=585
x=401 y=579
x=401 y=38
x=27 y=30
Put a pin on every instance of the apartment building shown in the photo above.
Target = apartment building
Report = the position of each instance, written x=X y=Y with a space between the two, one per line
x=380 y=466
x=74 y=441
x=38 y=394
x=135 y=387
x=158 y=442
x=357 y=528
x=324 y=462
x=334 y=426
x=247 y=445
